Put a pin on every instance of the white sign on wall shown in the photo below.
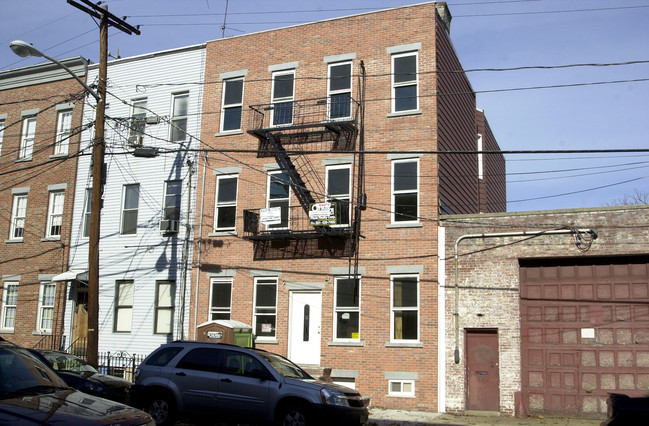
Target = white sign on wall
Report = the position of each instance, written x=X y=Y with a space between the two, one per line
x=270 y=216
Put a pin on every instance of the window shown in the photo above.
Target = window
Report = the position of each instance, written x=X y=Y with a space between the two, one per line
x=279 y=196
x=338 y=191
x=480 y=158
x=18 y=213
x=340 y=90
x=46 y=307
x=265 y=319
x=55 y=214
x=63 y=126
x=27 y=139
x=226 y=202
x=405 y=82
x=282 y=113
x=347 y=309
x=179 y=113
x=405 y=190
x=221 y=299
x=200 y=359
x=401 y=388
x=2 y=130
x=173 y=195
x=9 y=303
x=129 y=210
x=86 y=213
x=404 y=308
x=232 y=104
x=164 y=306
x=241 y=364
x=138 y=122
x=123 y=306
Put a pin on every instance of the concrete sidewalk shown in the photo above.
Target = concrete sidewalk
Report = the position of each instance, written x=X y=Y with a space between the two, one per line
x=383 y=417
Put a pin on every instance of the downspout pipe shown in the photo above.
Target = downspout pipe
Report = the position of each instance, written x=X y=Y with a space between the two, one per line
x=456 y=313
x=200 y=245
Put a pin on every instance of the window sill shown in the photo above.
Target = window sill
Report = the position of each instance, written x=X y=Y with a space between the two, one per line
x=405 y=225
x=41 y=333
x=22 y=160
x=404 y=345
x=223 y=234
x=46 y=239
x=17 y=240
x=401 y=396
x=267 y=341
x=341 y=343
x=55 y=156
x=405 y=113
x=229 y=133
x=6 y=332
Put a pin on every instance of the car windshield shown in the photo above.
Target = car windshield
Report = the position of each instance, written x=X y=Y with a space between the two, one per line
x=68 y=362
x=22 y=374
x=285 y=367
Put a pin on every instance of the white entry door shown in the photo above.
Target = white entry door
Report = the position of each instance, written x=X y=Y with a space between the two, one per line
x=304 y=327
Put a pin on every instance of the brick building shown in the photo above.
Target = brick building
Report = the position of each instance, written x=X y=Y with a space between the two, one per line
x=321 y=187
x=548 y=320
x=40 y=122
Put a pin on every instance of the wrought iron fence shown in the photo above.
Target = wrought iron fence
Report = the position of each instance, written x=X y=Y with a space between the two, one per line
x=119 y=364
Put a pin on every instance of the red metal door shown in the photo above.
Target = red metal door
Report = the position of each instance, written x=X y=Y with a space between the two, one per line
x=483 y=387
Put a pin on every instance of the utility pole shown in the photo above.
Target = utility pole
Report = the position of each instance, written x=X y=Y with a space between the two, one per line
x=106 y=19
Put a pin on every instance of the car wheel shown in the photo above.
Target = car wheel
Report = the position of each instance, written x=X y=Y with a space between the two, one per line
x=294 y=415
x=162 y=408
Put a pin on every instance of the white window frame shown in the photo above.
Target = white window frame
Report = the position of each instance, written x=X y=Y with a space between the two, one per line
x=394 y=310
x=226 y=107
x=165 y=294
x=124 y=298
x=55 y=214
x=288 y=199
x=401 y=393
x=46 y=300
x=331 y=92
x=9 y=306
x=480 y=157
x=129 y=210
x=167 y=195
x=225 y=204
x=2 y=131
x=27 y=138
x=280 y=100
x=63 y=128
x=346 y=309
x=87 y=206
x=342 y=197
x=266 y=310
x=137 y=123
x=413 y=82
x=405 y=191
x=178 y=122
x=18 y=217
x=224 y=309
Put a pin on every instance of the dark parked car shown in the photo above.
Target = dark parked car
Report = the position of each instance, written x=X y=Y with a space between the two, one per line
x=226 y=382
x=625 y=410
x=32 y=393
x=82 y=376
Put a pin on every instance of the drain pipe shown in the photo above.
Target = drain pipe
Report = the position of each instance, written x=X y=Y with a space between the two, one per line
x=456 y=314
x=200 y=245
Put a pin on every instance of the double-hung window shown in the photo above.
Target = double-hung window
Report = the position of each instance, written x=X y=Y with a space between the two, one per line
x=63 y=127
x=226 y=202
x=405 y=191
x=232 y=104
x=179 y=113
x=265 y=320
x=137 y=122
x=55 y=214
x=173 y=196
x=164 y=306
x=279 y=197
x=405 y=82
x=130 y=208
x=347 y=307
x=46 y=307
x=18 y=213
x=86 y=213
x=283 y=96
x=404 y=312
x=9 y=304
x=124 y=305
x=340 y=90
x=339 y=191
x=2 y=130
x=220 y=299
x=27 y=139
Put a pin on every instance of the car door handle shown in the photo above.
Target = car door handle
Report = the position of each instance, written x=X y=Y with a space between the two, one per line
x=181 y=373
x=226 y=380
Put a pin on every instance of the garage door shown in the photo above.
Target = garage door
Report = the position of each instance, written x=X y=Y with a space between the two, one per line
x=584 y=333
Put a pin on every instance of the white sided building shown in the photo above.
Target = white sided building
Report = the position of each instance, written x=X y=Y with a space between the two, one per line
x=153 y=125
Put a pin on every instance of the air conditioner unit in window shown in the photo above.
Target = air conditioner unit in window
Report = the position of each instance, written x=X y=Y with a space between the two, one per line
x=135 y=140
x=168 y=226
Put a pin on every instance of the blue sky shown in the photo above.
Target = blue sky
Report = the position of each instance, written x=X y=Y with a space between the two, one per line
x=591 y=113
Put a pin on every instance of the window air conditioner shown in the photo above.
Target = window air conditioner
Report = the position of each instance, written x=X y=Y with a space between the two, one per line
x=135 y=140
x=169 y=226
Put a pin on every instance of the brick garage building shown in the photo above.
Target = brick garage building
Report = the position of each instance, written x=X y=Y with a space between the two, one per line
x=547 y=324
x=40 y=120
x=338 y=123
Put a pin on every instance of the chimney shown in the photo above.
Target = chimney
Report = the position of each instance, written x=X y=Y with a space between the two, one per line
x=445 y=15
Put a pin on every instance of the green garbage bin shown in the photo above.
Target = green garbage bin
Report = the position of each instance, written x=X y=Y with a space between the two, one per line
x=226 y=331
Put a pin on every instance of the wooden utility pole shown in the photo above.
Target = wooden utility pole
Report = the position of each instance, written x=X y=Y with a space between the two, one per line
x=106 y=19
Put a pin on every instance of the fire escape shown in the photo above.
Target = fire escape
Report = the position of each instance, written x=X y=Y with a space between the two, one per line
x=318 y=225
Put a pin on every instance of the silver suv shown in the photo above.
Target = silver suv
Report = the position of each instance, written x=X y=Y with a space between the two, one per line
x=223 y=383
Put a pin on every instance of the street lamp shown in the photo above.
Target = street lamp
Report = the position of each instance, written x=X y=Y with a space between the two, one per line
x=24 y=49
